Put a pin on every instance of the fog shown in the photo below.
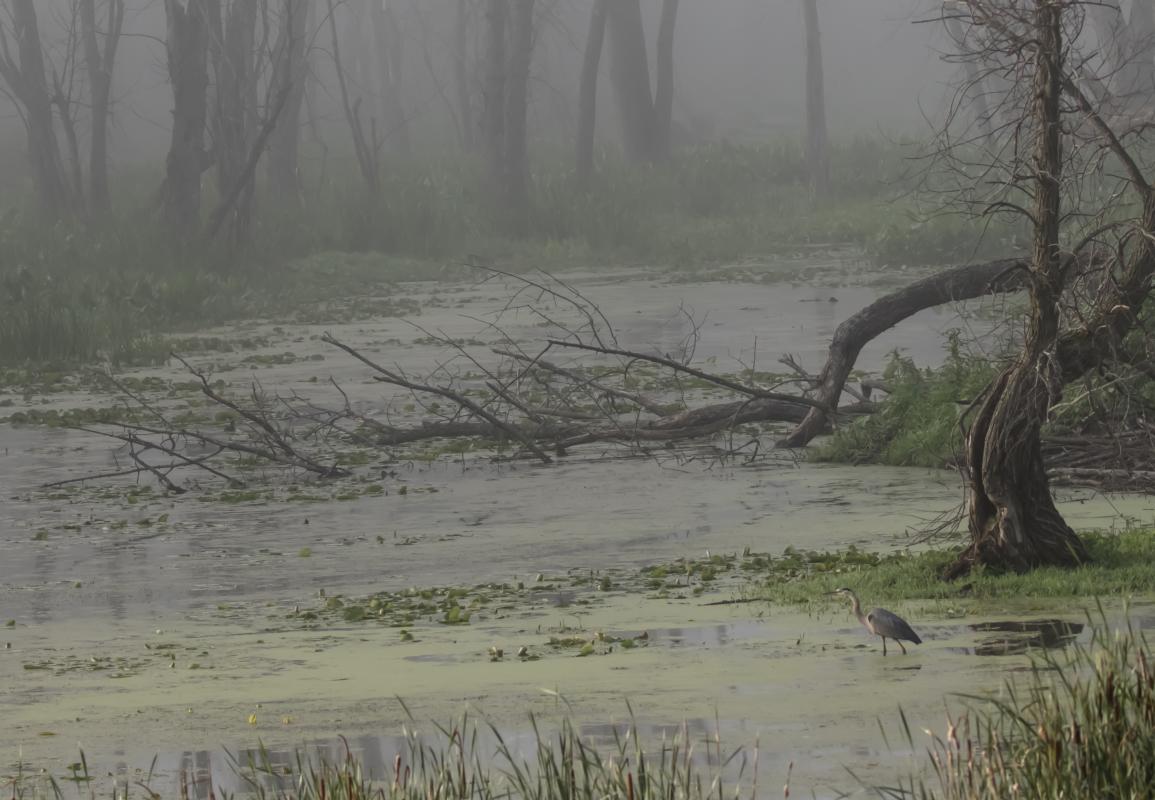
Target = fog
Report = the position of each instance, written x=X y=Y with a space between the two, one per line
x=739 y=71
x=367 y=365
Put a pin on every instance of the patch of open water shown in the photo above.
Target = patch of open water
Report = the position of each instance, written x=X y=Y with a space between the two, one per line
x=85 y=576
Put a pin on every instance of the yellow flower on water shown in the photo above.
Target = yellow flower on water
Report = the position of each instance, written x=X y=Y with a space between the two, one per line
x=252 y=719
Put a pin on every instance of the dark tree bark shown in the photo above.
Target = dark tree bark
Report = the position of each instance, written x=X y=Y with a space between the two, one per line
x=817 y=145
x=187 y=41
x=26 y=77
x=1012 y=517
x=588 y=92
x=516 y=160
x=630 y=76
x=290 y=74
x=387 y=42
x=664 y=87
x=99 y=63
x=495 y=79
x=950 y=286
x=461 y=76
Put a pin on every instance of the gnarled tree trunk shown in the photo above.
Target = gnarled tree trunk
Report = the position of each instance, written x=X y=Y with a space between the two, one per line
x=588 y=92
x=1013 y=520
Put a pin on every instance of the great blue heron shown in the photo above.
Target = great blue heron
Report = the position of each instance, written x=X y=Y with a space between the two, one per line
x=881 y=622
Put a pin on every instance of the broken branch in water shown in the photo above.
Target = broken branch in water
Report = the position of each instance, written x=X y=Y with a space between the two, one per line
x=395 y=378
x=719 y=380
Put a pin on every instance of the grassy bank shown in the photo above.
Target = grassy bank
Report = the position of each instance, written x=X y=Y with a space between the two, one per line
x=75 y=292
x=1123 y=564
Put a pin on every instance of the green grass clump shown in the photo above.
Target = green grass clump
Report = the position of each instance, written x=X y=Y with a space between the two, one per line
x=1082 y=725
x=917 y=424
x=1121 y=564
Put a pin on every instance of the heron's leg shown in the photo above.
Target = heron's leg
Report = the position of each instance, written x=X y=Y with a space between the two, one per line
x=901 y=645
x=884 y=645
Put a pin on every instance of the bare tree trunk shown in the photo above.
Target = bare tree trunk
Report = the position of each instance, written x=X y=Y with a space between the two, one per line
x=495 y=87
x=817 y=146
x=461 y=75
x=387 y=43
x=99 y=65
x=630 y=76
x=233 y=61
x=516 y=160
x=290 y=74
x=1013 y=519
x=27 y=79
x=187 y=40
x=588 y=92
x=664 y=88
x=366 y=149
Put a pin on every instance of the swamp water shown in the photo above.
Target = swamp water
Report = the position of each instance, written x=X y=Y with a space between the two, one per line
x=150 y=625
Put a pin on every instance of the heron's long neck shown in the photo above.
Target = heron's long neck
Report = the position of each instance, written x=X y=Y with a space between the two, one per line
x=857 y=608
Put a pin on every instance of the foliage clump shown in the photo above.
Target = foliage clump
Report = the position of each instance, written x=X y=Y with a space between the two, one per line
x=918 y=424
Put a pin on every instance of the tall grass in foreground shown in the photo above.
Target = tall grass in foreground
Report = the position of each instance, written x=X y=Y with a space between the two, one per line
x=562 y=765
x=1082 y=726
x=456 y=764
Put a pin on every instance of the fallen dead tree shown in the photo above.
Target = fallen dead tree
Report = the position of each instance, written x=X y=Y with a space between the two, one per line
x=579 y=388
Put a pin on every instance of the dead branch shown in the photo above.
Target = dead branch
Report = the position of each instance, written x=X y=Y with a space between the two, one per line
x=280 y=447
x=539 y=363
x=719 y=380
x=389 y=376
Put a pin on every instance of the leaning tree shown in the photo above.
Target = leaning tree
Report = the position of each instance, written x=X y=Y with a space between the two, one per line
x=1079 y=178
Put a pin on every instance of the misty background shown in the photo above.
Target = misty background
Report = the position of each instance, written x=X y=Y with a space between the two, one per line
x=739 y=72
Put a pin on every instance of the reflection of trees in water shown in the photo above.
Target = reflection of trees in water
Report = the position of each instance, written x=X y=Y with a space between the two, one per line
x=1026 y=635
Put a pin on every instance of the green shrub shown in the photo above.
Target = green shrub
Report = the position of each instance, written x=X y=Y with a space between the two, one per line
x=918 y=423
